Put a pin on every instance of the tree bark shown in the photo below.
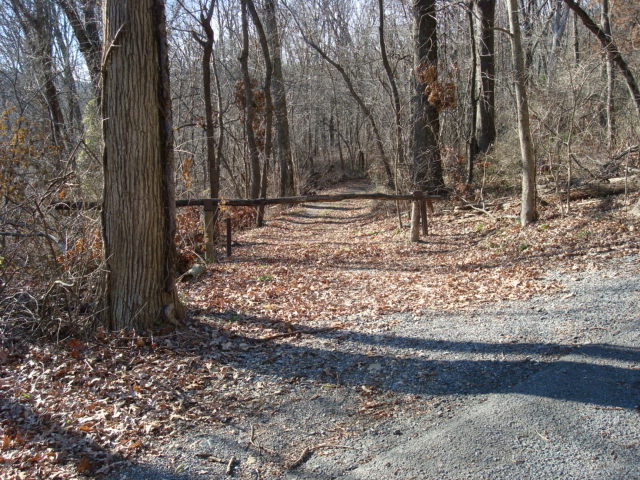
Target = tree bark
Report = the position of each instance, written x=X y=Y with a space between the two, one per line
x=268 y=109
x=283 y=141
x=485 y=11
x=249 y=111
x=528 y=212
x=606 y=28
x=138 y=217
x=427 y=163
x=472 y=141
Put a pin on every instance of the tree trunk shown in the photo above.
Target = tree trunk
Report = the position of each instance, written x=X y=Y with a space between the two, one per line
x=485 y=11
x=268 y=108
x=139 y=206
x=576 y=40
x=75 y=126
x=213 y=165
x=249 y=111
x=87 y=34
x=426 y=123
x=394 y=92
x=285 y=159
x=472 y=140
x=528 y=212
x=606 y=28
x=558 y=25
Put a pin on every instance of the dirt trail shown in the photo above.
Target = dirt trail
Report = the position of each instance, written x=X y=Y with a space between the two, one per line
x=336 y=349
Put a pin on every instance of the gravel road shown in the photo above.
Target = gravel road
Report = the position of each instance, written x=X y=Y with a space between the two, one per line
x=547 y=389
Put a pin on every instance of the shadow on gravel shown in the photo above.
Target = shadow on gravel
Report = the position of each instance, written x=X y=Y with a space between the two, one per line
x=436 y=367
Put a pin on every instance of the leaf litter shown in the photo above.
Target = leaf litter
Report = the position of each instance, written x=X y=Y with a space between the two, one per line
x=83 y=407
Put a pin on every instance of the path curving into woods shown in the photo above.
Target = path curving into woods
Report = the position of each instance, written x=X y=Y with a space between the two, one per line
x=337 y=349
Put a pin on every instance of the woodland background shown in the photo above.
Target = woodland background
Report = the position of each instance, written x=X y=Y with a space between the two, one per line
x=293 y=96
x=277 y=98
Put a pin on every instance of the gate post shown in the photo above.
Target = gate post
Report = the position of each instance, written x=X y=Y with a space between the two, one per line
x=415 y=216
x=210 y=214
x=423 y=217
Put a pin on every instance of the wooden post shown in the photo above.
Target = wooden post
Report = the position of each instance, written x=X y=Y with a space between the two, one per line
x=423 y=217
x=415 y=217
x=228 y=222
x=210 y=212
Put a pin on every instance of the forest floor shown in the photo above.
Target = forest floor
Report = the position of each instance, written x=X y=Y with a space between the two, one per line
x=328 y=339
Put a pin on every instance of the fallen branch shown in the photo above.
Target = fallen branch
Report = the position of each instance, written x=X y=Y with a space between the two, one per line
x=308 y=451
x=631 y=149
x=231 y=465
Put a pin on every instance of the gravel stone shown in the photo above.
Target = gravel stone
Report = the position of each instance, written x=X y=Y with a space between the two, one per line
x=546 y=388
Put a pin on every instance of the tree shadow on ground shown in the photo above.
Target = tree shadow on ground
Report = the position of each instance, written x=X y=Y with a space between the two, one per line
x=423 y=366
x=23 y=425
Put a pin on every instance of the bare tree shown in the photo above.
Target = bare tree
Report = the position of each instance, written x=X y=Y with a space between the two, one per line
x=83 y=17
x=35 y=19
x=612 y=49
x=206 y=42
x=606 y=28
x=249 y=107
x=485 y=121
x=528 y=213
x=268 y=108
x=394 y=91
x=285 y=160
x=427 y=162
x=366 y=109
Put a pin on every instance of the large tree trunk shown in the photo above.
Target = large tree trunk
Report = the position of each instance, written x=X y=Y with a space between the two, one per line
x=528 y=212
x=139 y=205
x=485 y=11
x=283 y=142
x=426 y=123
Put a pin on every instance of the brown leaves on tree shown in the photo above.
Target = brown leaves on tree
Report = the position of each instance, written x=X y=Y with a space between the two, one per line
x=441 y=95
